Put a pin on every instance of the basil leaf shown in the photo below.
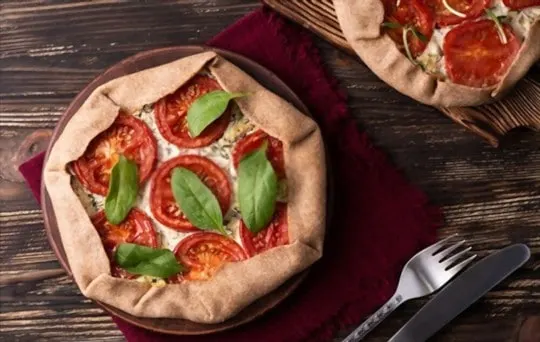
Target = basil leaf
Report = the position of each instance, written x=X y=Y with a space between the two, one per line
x=207 y=109
x=392 y=25
x=148 y=261
x=196 y=201
x=123 y=188
x=257 y=190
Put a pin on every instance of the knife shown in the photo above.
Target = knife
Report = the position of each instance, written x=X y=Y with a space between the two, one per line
x=466 y=289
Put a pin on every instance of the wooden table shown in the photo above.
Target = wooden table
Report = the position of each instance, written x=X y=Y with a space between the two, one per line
x=51 y=49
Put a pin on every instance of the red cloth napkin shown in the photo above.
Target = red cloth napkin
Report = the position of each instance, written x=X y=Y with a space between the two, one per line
x=379 y=220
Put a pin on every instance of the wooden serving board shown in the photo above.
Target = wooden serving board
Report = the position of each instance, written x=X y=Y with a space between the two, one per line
x=520 y=108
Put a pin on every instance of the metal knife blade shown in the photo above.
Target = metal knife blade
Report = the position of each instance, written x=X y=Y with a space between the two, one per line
x=466 y=289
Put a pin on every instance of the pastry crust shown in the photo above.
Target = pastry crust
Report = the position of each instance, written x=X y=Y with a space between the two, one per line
x=361 y=24
x=237 y=284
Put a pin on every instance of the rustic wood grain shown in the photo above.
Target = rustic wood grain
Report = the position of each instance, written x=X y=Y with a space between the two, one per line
x=51 y=49
x=520 y=108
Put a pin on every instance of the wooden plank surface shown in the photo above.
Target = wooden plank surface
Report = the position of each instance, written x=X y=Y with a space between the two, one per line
x=51 y=49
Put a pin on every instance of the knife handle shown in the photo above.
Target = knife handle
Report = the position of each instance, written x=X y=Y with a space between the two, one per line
x=374 y=320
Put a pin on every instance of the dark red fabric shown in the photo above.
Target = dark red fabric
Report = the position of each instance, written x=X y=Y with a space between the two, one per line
x=31 y=170
x=379 y=220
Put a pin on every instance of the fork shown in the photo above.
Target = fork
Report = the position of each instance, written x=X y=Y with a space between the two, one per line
x=426 y=272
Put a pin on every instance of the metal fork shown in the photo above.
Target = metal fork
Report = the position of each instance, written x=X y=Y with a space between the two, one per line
x=424 y=273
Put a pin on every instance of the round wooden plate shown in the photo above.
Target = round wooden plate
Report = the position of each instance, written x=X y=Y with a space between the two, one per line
x=140 y=62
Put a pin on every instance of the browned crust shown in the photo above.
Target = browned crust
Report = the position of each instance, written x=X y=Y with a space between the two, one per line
x=361 y=22
x=236 y=285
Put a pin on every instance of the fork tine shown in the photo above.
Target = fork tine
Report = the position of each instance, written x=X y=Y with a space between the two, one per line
x=455 y=257
x=435 y=247
x=455 y=270
x=445 y=252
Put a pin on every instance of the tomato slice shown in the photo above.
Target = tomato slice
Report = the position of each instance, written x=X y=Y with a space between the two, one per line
x=409 y=13
x=162 y=203
x=171 y=114
x=128 y=136
x=203 y=254
x=475 y=55
x=136 y=228
x=252 y=142
x=275 y=234
x=471 y=8
x=519 y=4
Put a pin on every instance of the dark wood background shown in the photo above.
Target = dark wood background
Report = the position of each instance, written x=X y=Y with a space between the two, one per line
x=49 y=50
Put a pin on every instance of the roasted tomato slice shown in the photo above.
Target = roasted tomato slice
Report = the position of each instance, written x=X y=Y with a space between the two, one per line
x=128 y=136
x=162 y=201
x=171 y=114
x=475 y=55
x=275 y=234
x=409 y=13
x=253 y=141
x=203 y=254
x=471 y=8
x=519 y=4
x=136 y=228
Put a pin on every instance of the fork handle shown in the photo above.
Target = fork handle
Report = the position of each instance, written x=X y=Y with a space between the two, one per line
x=374 y=320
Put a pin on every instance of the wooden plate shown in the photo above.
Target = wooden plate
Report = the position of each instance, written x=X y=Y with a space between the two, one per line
x=140 y=62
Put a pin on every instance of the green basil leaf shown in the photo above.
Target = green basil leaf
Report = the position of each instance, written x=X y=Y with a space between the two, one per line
x=392 y=25
x=137 y=259
x=207 y=109
x=123 y=188
x=257 y=190
x=130 y=254
x=196 y=201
